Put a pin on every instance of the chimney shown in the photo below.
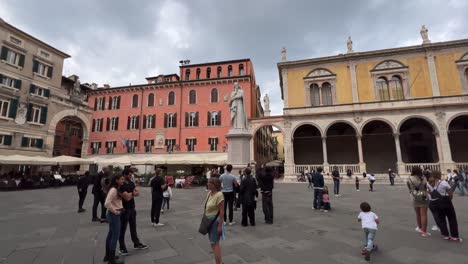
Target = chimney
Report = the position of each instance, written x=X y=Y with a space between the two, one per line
x=106 y=86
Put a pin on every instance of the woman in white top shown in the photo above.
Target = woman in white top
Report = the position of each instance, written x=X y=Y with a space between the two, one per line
x=440 y=201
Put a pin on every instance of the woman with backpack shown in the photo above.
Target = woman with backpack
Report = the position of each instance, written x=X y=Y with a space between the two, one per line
x=417 y=186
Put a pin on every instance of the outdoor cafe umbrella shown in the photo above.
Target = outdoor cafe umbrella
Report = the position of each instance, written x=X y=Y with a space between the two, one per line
x=69 y=160
x=26 y=160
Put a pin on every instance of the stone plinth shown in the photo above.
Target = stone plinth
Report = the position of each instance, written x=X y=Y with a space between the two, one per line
x=238 y=148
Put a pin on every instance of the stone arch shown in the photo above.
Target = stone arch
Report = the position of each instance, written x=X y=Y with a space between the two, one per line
x=257 y=127
x=264 y=150
x=377 y=119
x=336 y=152
x=358 y=131
x=418 y=140
x=429 y=120
x=306 y=123
x=447 y=125
x=378 y=145
x=457 y=128
x=307 y=144
x=70 y=112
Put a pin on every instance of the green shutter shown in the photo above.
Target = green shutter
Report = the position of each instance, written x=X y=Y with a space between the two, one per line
x=43 y=114
x=21 y=60
x=24 y=141
x=7 y=140
x=49 y=72
x=47 y=93
x=18 y=84
x=4 y=54
x=32 y=88
x=35 y=66
x=13 y=108
x=39 y=143
x=29 y=113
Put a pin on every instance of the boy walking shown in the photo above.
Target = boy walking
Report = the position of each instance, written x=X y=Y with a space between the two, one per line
x=369 y=221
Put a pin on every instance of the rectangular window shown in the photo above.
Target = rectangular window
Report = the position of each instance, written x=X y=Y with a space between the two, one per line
x=192 y=119
x=12 y=57
x=98 y=125
x=149 y=145
x=100 y=103
x=5 y=140
x=110 y=145
x=114 y=123
x=150 y=121
x=39 y=91
x=131 y=146
x=115 y=103
x=214 y=118
x=171 y=120
x=170 y=143
x=191 y=142
x=16 y=41
x=10 y=82
x=95 y=146
x=134 y=122
x=213 y=144
x=4 y=108
x=42 y=69
x=36 y=114
x=28 y=142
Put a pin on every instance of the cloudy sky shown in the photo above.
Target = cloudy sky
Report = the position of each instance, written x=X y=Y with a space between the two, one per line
x=121 y=42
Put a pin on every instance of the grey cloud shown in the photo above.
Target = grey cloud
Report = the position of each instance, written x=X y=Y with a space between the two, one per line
x=121 y=42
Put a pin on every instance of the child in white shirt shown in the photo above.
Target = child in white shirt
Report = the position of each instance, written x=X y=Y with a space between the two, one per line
x=369 y=222
x=167 y=194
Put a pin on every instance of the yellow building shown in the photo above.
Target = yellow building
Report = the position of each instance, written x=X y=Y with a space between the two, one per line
x=376 y=110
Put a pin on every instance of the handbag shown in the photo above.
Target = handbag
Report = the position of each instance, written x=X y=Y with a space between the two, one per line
x=205 y=224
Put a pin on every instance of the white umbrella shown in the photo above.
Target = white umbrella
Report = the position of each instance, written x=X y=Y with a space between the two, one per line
x=26 y=160
x=69 y=160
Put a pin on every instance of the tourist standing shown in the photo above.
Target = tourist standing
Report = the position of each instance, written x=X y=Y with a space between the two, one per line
x=440 y=197
x=167 y=195
x=356 y=182
x=228 y=182
x=371 y=178
x=369 y=222
x=82 y=186
x=157 y=189
x=266 y=182
x=391 y=177
x=459 y=182
x=248 y=192
x=417 y=187
x=128 y=217
x=114 y=206
x=100 y=194
x=214 y=211
x=336 y=182
x=318 y=182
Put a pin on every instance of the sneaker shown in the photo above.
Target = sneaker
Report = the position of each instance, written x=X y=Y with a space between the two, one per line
x=321 y=210
x=326 y=211
x=232 y=223
x=81 y=210
x=159 y=224
x=96 y=219
x=140 y=246
x=425 y=234
x=102 y=220
x=123 y=252
x=357 y=190
x=456 y=239
x=446 y=238
x=435 y=228
x=417 y=229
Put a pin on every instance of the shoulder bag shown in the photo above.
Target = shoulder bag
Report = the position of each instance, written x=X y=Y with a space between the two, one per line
x=205 y=224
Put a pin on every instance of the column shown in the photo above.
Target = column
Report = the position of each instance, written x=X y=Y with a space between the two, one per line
x=326 y=166
x=289 y=174
x=362 y=165
x=352 y=71
x=284 y=75
x=400 y=164
x=433 y=74
x=446 y=162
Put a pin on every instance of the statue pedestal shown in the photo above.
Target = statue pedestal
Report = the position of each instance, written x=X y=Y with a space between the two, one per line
x=238 y=148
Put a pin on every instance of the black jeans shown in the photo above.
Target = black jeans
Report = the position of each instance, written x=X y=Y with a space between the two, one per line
x=392 y=180
x=248 y=210
x=444 y=211
x=267 y=205
x=318 y=196
x=156 y=208
x=82 y=196
x=165 y=201
x=336 y=187
x=371 y=186
x=128 y=217
x=357 y=185
x=99 y=197
x=229 y=200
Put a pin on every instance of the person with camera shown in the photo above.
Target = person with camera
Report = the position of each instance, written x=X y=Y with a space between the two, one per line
x=417 y=186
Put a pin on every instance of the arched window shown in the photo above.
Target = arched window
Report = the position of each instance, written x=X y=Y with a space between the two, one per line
x=396 y=88
x=229 y=71
x=187 y=75
x=171 y=98
x=326 y=94
x=241 y=69
x=198 y=74
x=192 y=97
x=214 y=95
x=208 y=73
x=382 y=88
x=135 y=101
x=151 y=99
x=315 y=94
x=218 y=72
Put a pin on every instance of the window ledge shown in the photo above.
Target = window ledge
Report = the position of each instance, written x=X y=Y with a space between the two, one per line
x=35 y=124
x=12 y=65
x=38 y=96
x=13 y=89
x=5 y=118
x=42 y=76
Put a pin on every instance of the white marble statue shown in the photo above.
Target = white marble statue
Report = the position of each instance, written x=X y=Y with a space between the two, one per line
x=283 y=54
x=349 y=44
x=77 y=87
x=424 y=34
x=237 y=108
x=21 y=112
x=266 y=102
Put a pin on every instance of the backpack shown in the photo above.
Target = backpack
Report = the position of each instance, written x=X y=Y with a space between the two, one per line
x=418 y=192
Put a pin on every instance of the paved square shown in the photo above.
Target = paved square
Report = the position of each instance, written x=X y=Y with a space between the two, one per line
x=42 y=226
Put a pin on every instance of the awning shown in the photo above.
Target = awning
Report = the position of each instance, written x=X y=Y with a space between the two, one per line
x=26 y=160
x=69 y=160
x=212 y=158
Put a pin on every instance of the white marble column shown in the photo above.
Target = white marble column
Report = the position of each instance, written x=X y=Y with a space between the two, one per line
x=362 y=164
x=400 y=164
x=440 y=154
x=324 y=151
x=289 y=174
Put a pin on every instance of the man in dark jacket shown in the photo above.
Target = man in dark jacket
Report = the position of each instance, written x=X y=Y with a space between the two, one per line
x=266 y=180
x=248 y=192
x=82 y=186
x=317 y=180
x=99 y=194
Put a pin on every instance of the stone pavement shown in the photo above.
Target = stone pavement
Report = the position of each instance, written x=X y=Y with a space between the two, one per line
x=42 y=227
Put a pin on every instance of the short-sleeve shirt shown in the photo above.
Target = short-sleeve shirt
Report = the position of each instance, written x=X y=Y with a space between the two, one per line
x=442 y=187
x=227 y=180
x=368 y=220
x=128 y=187
x=213 y=203
x=156 y=184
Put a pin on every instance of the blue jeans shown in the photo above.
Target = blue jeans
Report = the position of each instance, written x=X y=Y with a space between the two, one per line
x=369 y=235
x=336 y=187
x=114 y=232
x=318 y=196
